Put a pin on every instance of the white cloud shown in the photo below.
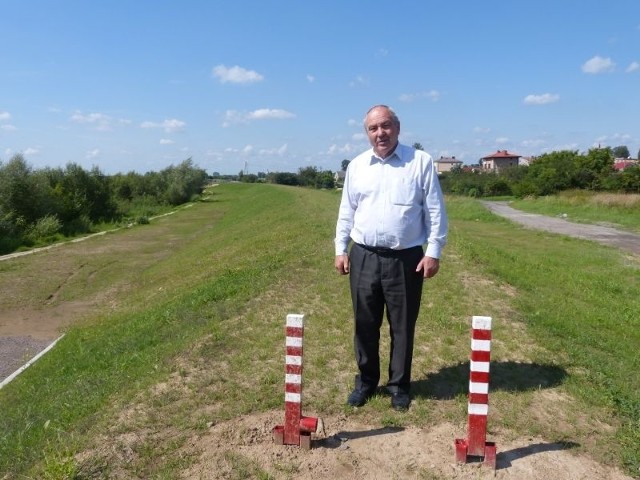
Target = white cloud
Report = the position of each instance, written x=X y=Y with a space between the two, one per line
x=99 y=121
x=91 y=154
x=481 y=129
x=344 y=149
x=275 y=151
x=233 y=116
x=236 y=74
x=247 y=149
x=359 y=137
x=432 y=95
x=31 y=151
x=502 y=140
x=534 y=143
x=166 y=141
x=633 y=66
x=598 y=64
x=541 y=99
x=269 y=113
x=359 y=80
x=8 y=127
x=169 y=126
x=311 y=78
x=5 y=116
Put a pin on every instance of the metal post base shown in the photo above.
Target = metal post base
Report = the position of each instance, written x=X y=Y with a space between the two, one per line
x=462 y=456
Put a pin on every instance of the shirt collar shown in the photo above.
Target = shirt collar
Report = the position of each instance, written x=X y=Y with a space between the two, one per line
x=395 y=154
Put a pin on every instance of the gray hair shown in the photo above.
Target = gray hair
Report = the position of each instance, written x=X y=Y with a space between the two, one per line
x=394 y=117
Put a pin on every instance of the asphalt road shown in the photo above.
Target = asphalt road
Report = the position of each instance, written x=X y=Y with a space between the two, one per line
x=613 y=237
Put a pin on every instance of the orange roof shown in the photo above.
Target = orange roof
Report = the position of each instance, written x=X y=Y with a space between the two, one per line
x=502 y=154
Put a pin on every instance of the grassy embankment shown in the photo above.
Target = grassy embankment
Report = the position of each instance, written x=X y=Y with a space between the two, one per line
x=197 y=340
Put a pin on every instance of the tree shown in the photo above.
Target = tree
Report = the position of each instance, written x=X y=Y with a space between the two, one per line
x=307 y=176
x=596 y=165
x=345 y=164
x=418 y=146
x=621 y=152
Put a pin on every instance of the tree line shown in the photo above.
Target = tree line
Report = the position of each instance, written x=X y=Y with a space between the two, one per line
x=39 y=206
x=547 y=174
x=305 y=177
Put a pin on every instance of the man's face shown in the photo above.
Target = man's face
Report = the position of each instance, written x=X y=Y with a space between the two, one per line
x=382 y=131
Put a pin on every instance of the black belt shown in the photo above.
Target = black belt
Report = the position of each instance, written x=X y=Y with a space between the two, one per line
x=385 y=250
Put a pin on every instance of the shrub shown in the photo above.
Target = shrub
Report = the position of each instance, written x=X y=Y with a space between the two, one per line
x=44 y=229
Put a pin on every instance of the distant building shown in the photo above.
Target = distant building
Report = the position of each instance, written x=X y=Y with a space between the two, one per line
x=338 y=177
x=446 y=164
x=499 y=160
x=620 y=164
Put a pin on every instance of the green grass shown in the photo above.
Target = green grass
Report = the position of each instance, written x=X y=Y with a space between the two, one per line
x=197 y=339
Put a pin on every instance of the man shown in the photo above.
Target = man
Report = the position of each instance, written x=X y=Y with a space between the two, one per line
x=391 y=206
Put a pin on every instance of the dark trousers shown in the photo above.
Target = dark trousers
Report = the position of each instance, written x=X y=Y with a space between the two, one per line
x=380 y=279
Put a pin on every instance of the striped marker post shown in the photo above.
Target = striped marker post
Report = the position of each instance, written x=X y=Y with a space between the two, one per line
x=297 y=428
x=476 y=445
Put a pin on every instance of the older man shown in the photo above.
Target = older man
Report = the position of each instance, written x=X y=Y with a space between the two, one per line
x=391 y=206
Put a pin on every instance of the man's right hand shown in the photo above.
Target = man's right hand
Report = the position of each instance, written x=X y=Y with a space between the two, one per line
x=342 y=264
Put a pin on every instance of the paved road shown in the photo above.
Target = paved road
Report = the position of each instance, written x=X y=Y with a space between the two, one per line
x=609 y=236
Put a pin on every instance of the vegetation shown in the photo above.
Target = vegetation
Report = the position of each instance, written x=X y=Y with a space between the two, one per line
x=548 y=174
x=42 y=206
x=193 y=343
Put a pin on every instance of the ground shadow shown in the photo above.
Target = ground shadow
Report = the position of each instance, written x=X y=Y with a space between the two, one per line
x=504 y=459
x=340 y=438
x=449 y=382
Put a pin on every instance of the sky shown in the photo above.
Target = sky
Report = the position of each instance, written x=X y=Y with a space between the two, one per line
x=275 y=85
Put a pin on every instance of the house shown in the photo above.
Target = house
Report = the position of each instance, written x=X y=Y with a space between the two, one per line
x=620 y=164
x=499 y=160
x=338 y=178
x=446 y=164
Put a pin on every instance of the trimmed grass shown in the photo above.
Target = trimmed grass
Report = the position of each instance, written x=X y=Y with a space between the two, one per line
x=193 y=341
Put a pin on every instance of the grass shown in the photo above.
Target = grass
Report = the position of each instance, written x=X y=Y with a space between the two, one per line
x=192 y=340
x=617 y=210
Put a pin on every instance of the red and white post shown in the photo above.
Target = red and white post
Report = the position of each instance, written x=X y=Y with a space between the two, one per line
x=476 y=445
x=297 y=428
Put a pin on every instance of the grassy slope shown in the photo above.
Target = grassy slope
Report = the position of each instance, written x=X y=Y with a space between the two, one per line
x=206 y=321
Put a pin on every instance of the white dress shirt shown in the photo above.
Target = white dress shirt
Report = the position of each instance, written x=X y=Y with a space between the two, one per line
x=394 y=203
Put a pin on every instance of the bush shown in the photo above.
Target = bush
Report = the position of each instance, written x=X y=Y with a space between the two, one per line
x=44 y=229
x=77 y=226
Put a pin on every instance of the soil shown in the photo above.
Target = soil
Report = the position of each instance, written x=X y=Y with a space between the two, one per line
x=347 y=449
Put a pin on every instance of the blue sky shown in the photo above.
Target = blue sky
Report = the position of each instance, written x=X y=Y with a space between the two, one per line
x=279 y=85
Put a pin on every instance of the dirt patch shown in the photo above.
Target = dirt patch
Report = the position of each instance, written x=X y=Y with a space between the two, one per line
x=349 y=449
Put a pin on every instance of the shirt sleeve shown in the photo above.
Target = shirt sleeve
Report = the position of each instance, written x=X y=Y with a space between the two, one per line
x=435 y=215
x=346 y=213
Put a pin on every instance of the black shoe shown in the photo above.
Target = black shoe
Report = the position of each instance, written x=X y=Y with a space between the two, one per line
x=358 y=397
x=400 y=401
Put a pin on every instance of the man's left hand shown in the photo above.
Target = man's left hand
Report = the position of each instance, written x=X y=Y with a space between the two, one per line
x=429 y=266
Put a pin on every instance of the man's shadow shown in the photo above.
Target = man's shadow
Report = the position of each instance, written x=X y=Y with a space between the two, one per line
x=449 y=382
